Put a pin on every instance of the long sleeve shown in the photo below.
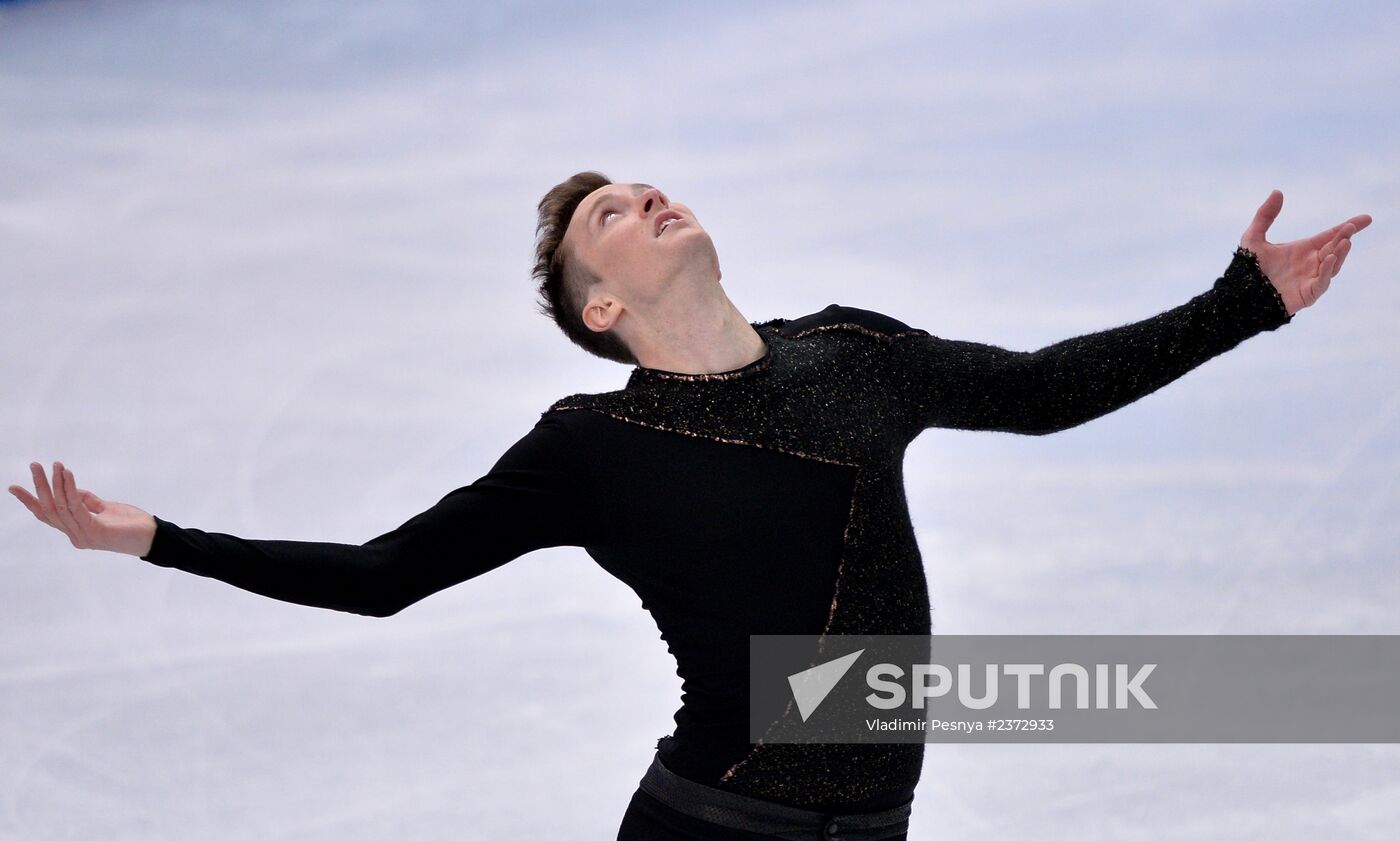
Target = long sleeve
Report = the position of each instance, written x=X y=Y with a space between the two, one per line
x=967 y=385
x=530 y=499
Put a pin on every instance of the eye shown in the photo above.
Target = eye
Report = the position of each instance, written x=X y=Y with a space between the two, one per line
x=603 y=220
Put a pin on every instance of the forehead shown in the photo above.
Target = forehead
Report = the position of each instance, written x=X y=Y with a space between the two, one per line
x=611 y=190
x=578 y=223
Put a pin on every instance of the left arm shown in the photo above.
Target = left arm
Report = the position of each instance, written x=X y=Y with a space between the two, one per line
x=968 y=385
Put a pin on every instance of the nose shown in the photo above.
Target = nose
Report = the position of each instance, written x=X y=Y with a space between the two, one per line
x=653 y=197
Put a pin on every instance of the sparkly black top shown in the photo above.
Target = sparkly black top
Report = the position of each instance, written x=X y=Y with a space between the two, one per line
x=764 y=500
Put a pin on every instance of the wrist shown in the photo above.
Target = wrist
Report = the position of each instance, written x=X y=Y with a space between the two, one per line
x=146 y=538
x=1253 y=293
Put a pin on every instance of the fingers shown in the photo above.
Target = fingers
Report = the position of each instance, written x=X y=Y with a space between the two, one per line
x=76 y=509
x=64 y=509
x=1331 y=245
x=1341 y=252
x=1343 y=229
x=1321 y=239
x=28 y=500
x=1339 y=246
x=94 y=503
x=1319 y=285
x=1263 y=218
x=53 y=505
x=45 y=496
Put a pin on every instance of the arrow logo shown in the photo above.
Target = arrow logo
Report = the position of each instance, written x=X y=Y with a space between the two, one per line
x=811 y=686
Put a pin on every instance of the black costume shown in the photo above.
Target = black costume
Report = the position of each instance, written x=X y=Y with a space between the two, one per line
x=764 y=500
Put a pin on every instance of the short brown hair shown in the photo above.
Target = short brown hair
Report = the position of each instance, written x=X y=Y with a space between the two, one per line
x=564 y=282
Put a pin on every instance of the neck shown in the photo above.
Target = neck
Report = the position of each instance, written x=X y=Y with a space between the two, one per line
x=704 y=336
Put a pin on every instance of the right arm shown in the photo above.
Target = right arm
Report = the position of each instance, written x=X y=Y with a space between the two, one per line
x=530 y=499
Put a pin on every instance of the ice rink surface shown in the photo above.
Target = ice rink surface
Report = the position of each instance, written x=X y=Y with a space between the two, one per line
x=266 y=271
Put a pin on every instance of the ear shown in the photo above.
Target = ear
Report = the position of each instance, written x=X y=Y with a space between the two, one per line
x=601 y=312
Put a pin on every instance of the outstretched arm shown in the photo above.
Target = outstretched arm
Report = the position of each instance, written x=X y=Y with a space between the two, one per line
x=529 y=500
x=968 y=385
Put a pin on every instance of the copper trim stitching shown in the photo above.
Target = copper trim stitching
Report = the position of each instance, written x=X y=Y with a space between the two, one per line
x=835 y=595
x=845 y=325
x=705 y=436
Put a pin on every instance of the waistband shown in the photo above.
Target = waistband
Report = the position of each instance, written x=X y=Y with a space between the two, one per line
x=737 y=811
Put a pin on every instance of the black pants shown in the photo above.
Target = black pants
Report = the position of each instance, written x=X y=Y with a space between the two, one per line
x=648 y=818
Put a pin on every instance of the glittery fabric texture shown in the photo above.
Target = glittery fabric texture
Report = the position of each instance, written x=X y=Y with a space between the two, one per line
x=853 y=387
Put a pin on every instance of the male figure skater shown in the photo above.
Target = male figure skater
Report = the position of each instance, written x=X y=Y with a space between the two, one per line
x=746 y=480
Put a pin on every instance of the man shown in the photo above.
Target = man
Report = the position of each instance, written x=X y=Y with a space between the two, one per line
x=747 y=480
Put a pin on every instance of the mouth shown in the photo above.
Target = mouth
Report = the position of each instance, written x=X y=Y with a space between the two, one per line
x=666 y=219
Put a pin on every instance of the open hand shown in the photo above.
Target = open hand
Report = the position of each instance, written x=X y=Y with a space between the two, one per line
x=89 y=521
x=1300 y=270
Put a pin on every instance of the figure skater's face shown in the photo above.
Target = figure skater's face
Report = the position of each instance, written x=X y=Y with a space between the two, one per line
x=621 y=234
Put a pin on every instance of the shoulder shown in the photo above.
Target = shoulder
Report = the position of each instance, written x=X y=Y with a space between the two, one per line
x=564 y=411
x=854 y=319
